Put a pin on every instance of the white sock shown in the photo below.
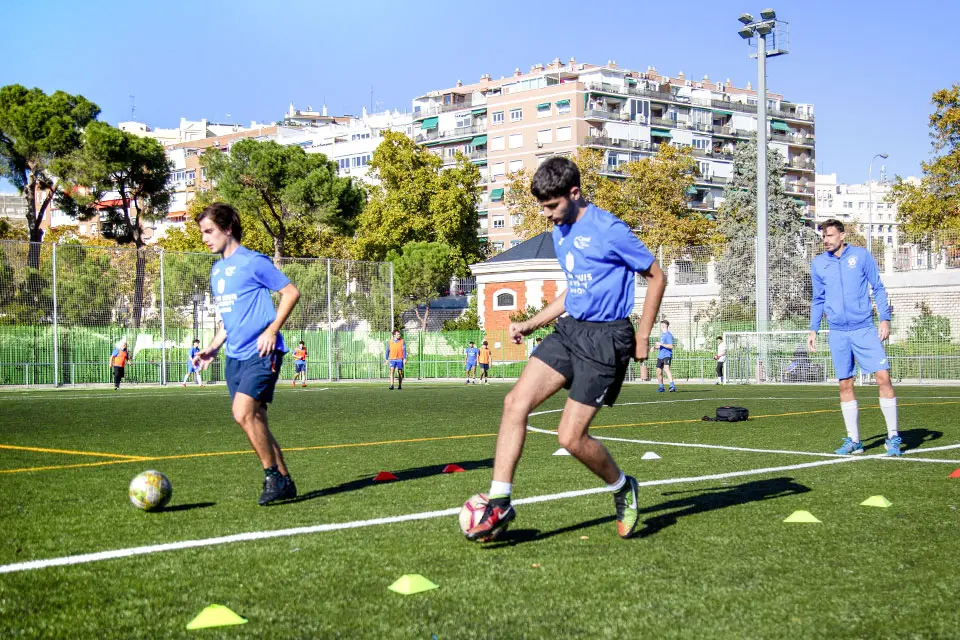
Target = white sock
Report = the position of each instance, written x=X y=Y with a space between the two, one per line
x=616 y=486
x=851 y=417
x=500 y=489
x=888 y=406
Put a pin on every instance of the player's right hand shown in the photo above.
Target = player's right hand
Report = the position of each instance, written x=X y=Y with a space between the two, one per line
x=519 y=330
x=812 y=341
x=203 y=359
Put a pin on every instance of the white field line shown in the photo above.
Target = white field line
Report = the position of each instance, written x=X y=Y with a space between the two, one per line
x=956 y=462
x=356 y=524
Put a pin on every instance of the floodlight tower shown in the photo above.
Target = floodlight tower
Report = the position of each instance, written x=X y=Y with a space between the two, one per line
x=773 y=39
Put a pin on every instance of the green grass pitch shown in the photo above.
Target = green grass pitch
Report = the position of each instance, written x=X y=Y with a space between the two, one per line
x=713 y=558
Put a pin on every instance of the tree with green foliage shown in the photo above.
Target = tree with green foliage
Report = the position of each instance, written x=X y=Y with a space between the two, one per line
x=11 y=230
x=934 y=204
x=420 y=271
x=791 y=243
x=418 y=200
x=123 y=179
x=37 y=132
x=469 y=321
x=294 y=197
x=927 y=328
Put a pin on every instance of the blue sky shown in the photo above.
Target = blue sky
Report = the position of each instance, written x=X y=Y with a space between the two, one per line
x=869 y=67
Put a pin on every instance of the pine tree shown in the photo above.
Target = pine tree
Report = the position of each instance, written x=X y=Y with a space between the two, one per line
x=791 y=243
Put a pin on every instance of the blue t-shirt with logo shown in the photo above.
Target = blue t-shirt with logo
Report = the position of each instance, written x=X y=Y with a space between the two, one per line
x=599 y=255
x=472 y=353
x=241 y=286
x=192 y=354
x=666 y=338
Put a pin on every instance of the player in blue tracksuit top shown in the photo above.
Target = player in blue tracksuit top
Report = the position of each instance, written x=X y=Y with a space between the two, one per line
x=843 y=277
x=590 y=349
x=241 y=282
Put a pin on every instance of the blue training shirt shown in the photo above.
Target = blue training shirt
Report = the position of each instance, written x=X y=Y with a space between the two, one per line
x=472 y=353
x=192 y=354
x=241 y=286
x=666 y=338
x=841 y=289
x=599 y=255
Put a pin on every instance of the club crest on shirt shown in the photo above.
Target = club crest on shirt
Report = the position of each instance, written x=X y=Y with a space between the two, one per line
x=581 y=242
x=852 y=261
x=569 y=262
x=229 y=271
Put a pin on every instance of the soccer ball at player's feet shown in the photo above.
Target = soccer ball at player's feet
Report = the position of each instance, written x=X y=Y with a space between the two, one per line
x=472 y=512
x=150 y=491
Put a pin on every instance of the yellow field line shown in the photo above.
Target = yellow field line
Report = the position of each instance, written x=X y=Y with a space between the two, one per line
x=95 y=454
x=128 y=459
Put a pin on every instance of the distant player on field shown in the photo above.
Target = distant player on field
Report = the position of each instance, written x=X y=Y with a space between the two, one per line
x=664 y=356
x=300 y=364
x=721 y=357
x=589 y=350
x=191 y=367
x=396 y=358
x=241 y=282
x=118 y=362
x=484 y=358
x=842 y=279
x=470 y=364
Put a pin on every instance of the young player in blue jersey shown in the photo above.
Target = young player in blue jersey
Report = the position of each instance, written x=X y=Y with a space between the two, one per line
x=241 y=282
x=664 y=349
x=191 y=367
x=590 y=349
x=471 y=353
x=843 y=277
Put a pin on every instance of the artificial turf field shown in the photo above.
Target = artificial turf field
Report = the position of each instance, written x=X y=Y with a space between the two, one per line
x=713 y=558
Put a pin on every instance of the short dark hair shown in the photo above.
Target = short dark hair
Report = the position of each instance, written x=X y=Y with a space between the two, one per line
x=719 y=337
x=665 y=321
x=196 y=339
x=301 y=342
x=539 y=339
x=484 y=343
x=554 y=178
x=471 y=342
x=832 y=222
x=225 y=217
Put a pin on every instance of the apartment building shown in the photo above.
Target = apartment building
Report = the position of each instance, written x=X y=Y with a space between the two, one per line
x=516 y=122
x=862 y=204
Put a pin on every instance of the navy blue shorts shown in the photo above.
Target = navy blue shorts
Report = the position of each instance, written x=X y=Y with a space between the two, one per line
x=255 y=377
x=299 y=365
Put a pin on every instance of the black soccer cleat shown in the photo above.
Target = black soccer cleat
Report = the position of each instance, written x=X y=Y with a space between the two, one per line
x=277 y=487
x=495 y=519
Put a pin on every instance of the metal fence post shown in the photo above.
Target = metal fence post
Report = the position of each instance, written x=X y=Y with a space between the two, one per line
x=329 y=327
x=56 y=360
x=163 y=327
x=390 y=326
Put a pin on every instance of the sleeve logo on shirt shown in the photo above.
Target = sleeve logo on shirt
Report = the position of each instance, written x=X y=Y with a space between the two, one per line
x=581 y=242
x=852 y=261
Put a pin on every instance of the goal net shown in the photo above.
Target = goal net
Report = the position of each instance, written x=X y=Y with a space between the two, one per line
x=776 y=357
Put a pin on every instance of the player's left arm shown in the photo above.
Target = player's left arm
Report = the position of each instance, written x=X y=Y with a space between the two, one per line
x=879 y=295
x=627 y=247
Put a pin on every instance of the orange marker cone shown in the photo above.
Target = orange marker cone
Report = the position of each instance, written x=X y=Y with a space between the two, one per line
x=384 y=476
x=453 y=468
x=955 y=474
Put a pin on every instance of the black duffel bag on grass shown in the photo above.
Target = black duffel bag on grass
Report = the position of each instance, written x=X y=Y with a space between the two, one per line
x=729 y=414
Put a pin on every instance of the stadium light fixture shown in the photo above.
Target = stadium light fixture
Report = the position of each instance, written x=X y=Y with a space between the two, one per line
x=746 y=33
x=745 y=18
x=764 y=28
x=768 y=14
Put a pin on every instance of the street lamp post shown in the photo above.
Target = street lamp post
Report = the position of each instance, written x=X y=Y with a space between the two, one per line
x=773 y=40
x=870 y=201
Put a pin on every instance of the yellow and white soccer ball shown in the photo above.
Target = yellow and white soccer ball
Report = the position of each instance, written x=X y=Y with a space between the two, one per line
x=150 y=491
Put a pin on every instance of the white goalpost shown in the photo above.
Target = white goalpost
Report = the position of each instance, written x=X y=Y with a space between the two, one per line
x=777 y=357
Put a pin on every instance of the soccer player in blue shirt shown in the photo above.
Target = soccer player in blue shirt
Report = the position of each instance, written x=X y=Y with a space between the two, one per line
x=843 y=277
x=191 y=367
x=590 y=348
x=471 y=363
x=241 y=282
x=664 y=355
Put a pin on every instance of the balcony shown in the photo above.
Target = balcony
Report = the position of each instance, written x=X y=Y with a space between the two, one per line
x=426 y=112
x=712 y=153
x=438 y=137
x=713 y=181
x=621 y=143
x=796 y=189
x=798 y=164
x=793 y=139
x=597 y=114
x=472 y=156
